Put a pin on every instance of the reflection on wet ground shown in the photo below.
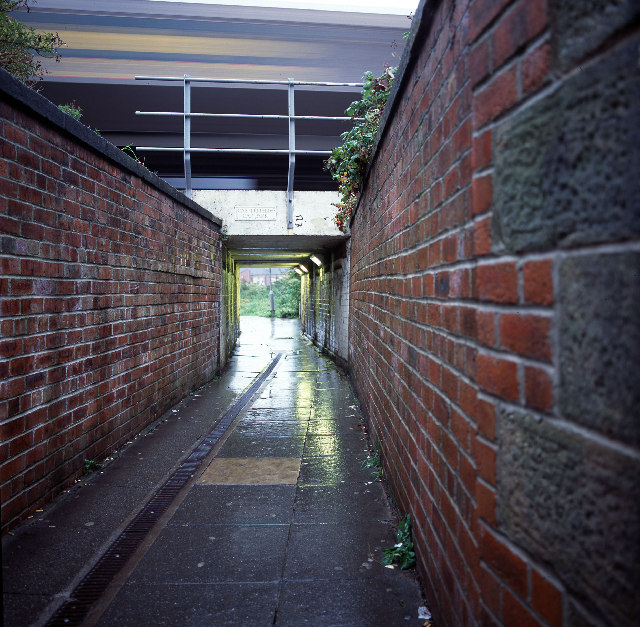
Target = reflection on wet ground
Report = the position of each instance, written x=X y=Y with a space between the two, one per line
x=284 y=526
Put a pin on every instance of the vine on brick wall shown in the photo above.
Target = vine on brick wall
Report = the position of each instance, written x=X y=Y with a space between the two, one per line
x=348 y=162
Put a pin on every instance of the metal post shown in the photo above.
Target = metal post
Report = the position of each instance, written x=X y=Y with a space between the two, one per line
x=187 y=135
x=292 y=154
x=271 y=302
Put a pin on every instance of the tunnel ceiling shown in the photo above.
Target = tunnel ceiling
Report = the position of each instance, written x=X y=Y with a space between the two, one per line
x=276 y=251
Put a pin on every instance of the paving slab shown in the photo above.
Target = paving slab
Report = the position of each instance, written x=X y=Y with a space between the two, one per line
x=335 y=426
x=332 y=470
x=22 y=609
x=332 y=445
x=329 y=410
x=284 y=402
x=264 y=414
x=208 y=553
x=253 y=428
x=243 y=446
x=251 y=471
x=337 y=550
x=193 y=605
x=347 y=502
x=339 y=603
x=236 y=505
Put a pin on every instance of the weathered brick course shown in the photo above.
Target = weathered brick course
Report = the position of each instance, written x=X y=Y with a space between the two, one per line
x=109 y=297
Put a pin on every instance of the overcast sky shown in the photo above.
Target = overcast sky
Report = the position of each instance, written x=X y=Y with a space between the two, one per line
x=399 y=7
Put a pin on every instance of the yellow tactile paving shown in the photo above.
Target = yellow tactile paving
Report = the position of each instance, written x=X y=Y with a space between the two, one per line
x=251 y=471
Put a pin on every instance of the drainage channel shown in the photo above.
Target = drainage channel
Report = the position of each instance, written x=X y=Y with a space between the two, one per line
x=90 y=588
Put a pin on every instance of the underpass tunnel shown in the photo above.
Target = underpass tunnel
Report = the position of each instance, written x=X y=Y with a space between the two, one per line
x=320 y=263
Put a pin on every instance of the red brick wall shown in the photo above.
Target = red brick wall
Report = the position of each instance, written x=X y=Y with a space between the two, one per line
x=494 y=264
x=109 y=295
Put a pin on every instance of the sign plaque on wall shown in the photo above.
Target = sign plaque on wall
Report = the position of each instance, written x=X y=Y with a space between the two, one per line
x=255 y=213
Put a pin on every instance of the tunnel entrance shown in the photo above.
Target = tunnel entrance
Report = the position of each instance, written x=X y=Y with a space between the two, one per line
x=293 y=277
x=269 y=292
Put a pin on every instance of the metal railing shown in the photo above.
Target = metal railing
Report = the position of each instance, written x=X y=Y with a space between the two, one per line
x=187 y=115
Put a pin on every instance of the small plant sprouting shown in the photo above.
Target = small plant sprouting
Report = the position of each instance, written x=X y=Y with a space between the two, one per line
x=90 y=465
x=375 y=463
x=401 y=553
x=128 y=149
x=71 y=109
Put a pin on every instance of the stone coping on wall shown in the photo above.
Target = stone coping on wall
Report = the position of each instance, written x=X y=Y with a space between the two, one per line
x=31 y=100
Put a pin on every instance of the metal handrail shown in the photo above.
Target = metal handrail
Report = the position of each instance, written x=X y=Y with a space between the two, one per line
x=273 y=151
x=241 y=81
x=187 y=114
x=246 y=115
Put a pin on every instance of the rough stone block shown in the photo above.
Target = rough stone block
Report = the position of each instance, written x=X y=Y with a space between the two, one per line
x=574 y=505
x=582 y=26
x=564 y=173
x=599 y=351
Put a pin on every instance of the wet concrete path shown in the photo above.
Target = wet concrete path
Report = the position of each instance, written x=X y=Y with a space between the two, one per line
x=280 y=525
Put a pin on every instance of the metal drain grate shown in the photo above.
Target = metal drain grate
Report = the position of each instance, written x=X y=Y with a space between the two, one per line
x=93 y=584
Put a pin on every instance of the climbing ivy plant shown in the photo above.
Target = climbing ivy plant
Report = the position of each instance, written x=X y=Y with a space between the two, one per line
x=348 y=162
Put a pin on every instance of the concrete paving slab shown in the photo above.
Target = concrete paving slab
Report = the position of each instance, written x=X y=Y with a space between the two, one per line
x=23 y=609
x=347 y=502
x=340 y=603
x=248 y=350
x=337 y=550
x=283 y=402
x=239 y=384
x=339 y=444
x=295 y=391
x=215 y=553
x=300 y=366
x=296 y=375
x=326 y=410
x=344 y=430
x=350 y=424
x=278 y=388
x=272 y=428
x=248 y=471
x=253 y=363
x=333 y=379
x=332 y=470
x=193 y=605
x=266 y=414
x=338 y=400
x=263 y=447
x=236 y=505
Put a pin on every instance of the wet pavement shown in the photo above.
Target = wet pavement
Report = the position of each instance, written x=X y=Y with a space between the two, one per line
x=280 y=525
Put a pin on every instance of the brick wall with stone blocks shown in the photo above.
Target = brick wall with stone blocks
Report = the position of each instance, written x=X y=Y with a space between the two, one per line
x=494 y=342
x=109 y=298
